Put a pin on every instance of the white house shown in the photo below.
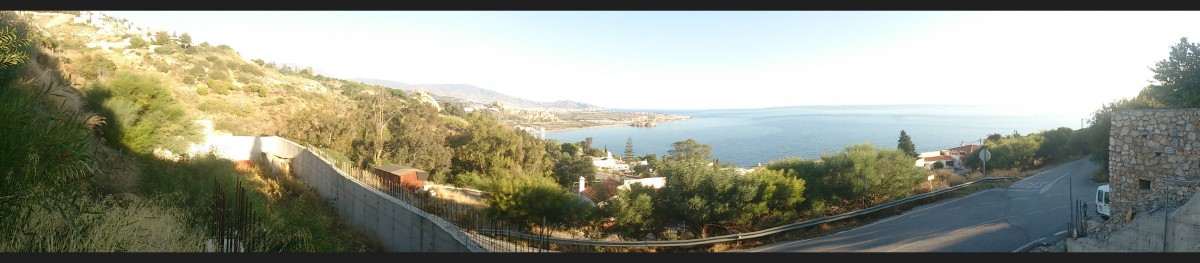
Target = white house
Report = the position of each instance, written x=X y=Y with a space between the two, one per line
x=608 y=162
x=620 y=166
x=656 y=182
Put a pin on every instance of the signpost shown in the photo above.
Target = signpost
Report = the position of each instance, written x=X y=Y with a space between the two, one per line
x=985 y=155
x=930 y=180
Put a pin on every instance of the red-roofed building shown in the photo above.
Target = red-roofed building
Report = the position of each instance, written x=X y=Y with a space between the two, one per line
x=929 y=161
x=963 y=150
x=960 y=153
x=600 y=191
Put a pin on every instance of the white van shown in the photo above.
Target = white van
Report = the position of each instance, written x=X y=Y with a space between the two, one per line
x=1102 y=206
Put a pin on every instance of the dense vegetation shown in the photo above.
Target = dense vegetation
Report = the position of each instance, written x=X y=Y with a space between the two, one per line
x=97 y=167
x=143 y=100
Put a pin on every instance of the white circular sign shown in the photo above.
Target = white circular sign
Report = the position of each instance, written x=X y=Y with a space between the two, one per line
x=985 y=155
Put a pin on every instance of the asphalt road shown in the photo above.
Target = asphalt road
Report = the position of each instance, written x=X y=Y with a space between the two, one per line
x=1015 y=218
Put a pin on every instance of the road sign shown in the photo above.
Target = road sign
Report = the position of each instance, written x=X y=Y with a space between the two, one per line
x=985 y=155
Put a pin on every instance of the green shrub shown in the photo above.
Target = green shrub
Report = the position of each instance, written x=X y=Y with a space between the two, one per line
x=46 y=163
x=197 y=72
x=165 y=50
x=217 y=74
x=142 y=114
x=220 y=86
x=256 y=88
x=250 y=69
x=202 y=90
x=136 y=42
x=95 y=65
x=243 y=78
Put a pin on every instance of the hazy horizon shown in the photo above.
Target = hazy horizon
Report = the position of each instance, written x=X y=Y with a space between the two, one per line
x=1069 y=62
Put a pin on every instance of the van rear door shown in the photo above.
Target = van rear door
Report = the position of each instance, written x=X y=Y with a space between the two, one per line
x=1102 y=204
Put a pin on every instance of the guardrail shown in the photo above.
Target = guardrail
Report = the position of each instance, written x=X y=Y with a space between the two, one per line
x=740 y=236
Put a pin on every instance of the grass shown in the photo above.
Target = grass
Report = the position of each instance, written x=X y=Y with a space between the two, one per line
x=117 y=223
x=295 y=218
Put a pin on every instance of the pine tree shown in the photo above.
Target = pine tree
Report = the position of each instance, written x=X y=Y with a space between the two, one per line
x=629 y=148
x=906 y=145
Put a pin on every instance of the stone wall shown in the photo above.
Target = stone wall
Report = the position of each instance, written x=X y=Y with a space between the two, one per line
x=1149 y=148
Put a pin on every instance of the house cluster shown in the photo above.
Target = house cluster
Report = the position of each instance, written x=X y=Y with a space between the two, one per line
x=603 y=190
x=614 y=164
x=949 y=158
x=539 y=132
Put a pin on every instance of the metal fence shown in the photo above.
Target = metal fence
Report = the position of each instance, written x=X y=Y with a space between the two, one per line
x=232 y=220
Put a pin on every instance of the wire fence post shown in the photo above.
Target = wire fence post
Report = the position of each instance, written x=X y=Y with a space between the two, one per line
x=1165 y=217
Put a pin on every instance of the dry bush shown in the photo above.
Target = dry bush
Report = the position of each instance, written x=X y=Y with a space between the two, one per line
x=122 y=223
x=119 y=172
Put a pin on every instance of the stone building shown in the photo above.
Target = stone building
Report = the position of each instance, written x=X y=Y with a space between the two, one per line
x=1152 y=150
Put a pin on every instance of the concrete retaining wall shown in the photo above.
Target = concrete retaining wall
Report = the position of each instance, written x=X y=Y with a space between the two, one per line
x=399 y=226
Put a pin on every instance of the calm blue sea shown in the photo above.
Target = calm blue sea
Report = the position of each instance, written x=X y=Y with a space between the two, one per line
x=747 y=137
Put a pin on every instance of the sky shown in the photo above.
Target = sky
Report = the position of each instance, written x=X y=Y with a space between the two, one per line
x=1064 y=62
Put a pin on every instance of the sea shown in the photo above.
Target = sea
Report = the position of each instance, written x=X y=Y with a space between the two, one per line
x=749 y=137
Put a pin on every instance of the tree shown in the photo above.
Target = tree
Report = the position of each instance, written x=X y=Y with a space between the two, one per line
x=1056 y=144
x=938 y=165
x=571 y=149
x=381 y=115
x=632 y=211
x=487 y=146
x=628 y=149
x=710 y=200
x=906 y=145
x=589 y=149
x=994 y=137
x=136 y=41
x=185 y=40
x=570 y=169
x=857 y=177
x=527 y=200
x=1178 y=77
x=691 y=150
x=419 y=141
x=161 y=38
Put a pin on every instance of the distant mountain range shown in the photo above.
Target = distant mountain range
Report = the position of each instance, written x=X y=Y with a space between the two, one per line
x=472 y=95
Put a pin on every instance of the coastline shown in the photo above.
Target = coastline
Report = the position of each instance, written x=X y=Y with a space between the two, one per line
x=611 y=125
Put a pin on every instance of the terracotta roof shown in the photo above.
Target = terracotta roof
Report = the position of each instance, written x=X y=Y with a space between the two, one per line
x=964 y=150
x=610 y=184
x=938 y=158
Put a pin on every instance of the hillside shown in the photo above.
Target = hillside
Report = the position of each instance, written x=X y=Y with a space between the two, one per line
x=471 y=95
x=91 y=106
x=214 y=82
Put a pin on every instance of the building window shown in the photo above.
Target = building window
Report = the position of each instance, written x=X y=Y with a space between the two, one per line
x=1143 y=184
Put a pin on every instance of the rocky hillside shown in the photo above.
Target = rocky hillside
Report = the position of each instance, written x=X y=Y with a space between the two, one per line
x=239 y=95
x=469 y=95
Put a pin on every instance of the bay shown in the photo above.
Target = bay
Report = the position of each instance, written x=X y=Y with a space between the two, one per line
x=748 y=137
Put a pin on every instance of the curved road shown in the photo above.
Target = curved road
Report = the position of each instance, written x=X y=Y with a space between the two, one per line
x=1005 y=219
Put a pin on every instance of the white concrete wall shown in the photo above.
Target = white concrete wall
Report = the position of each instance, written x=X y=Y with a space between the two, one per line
x=399 y=226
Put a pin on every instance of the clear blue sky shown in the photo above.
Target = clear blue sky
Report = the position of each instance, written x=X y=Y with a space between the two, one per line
x=1031 y=61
